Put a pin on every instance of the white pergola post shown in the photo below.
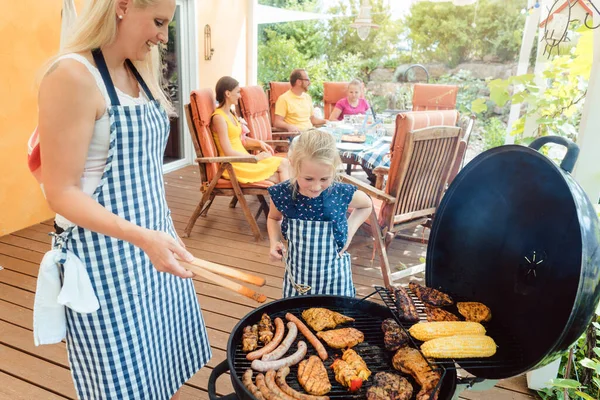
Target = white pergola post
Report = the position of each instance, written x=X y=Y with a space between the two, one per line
x=531 y=26
x=587 y=169
x=251 y=44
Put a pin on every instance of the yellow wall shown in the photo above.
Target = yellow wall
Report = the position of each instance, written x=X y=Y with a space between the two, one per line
x=227 y=20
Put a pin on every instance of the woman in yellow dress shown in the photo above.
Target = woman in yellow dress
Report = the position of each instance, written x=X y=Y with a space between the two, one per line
x=227 y=132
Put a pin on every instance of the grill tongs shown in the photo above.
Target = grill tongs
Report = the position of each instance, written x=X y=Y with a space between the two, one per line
x=209 y=270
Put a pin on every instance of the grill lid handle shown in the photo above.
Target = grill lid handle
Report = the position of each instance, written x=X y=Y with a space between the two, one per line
x=568 y=162
x=212 y=382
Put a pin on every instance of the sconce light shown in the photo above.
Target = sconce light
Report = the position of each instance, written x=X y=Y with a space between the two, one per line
x=208 y=50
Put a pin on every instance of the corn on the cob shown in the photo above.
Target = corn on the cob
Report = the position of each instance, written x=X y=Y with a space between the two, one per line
x=463 y=346
x=425 y=331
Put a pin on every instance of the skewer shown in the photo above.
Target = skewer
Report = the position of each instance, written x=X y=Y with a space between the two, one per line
x=230 y=272
x=224 y=282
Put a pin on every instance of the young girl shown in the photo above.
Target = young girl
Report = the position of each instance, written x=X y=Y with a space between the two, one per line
x=352 y=104
x=309 y=211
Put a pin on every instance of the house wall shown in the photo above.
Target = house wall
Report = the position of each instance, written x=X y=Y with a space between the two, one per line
x=227 y=20
x=31 y=33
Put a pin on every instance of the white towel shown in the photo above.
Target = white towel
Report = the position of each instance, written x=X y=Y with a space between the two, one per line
x=77 y=293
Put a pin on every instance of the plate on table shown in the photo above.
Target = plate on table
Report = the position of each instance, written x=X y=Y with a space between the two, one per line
x=350 y=146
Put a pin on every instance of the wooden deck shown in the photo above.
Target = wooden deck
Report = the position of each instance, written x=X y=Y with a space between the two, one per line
x=29 y=372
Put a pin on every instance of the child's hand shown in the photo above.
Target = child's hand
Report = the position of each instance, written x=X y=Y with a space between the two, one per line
x=276 y=252
x=262 y=155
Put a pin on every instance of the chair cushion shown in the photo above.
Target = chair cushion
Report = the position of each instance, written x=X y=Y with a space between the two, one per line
x=332 y=93
x=255 y=110
x=276 y=89
x=202 y=105
x=434 y=97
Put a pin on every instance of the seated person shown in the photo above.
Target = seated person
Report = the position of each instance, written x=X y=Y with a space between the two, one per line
x=294 y=109
x=226 y=129
x=353 y=104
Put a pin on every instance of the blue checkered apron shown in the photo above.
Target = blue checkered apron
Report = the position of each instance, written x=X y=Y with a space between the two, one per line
x=312 y=259
x=148 y=337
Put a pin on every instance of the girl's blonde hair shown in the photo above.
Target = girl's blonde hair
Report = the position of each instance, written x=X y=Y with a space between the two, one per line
x=314 y=145
x=97 y=27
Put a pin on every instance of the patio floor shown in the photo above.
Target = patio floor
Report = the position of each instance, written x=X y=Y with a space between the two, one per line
x=29 y=372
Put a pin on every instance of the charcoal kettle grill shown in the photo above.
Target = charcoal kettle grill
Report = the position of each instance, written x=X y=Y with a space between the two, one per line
x=513 y=231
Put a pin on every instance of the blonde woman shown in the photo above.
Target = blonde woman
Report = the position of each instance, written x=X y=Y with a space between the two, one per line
x=309 y=211
x=103 y=128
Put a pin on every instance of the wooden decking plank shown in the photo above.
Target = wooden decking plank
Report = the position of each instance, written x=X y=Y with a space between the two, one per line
x=31 y=369
x=12 y=388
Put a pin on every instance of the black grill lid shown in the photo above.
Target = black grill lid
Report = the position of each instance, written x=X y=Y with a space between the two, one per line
x=515 y=232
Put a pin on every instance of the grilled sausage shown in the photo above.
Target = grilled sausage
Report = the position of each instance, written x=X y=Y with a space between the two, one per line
x=270 y=381
x=247 y=381
x=263 y=366
x=405 y=304
x=280 y=379
x=264 y=390
x=285 y=345
x=269 y=347
x=316 y=343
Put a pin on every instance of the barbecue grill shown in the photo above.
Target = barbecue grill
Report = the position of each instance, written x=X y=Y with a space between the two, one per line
x=515 y=232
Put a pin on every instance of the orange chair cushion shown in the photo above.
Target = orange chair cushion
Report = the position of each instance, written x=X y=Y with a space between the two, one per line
x=202 y=106
x=276 y=89
x=434 y=97
x=332 y=93
x=255 y=110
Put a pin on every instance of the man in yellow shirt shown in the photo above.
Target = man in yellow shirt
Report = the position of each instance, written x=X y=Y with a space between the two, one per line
x=294 y=109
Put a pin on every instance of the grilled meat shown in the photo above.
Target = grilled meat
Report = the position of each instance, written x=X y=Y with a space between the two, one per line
x=265 y=329
x=342 y=338
x=405 y=304
x=250 y=338
x=437 y=314
x=474 y=311
x=322 y=318
x=312 y=375
x=389 y=386
x=410 y=361
x=431 y=296
x=351 y=370
x=393 y=336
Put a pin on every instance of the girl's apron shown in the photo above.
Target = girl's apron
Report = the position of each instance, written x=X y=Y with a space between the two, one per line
x=148 y=337
x=313 y=263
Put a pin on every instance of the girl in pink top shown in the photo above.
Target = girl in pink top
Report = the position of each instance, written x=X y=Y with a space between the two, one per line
x=352 y=104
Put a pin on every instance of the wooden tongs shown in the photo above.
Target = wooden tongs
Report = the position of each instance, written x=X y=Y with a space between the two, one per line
x=209 y=270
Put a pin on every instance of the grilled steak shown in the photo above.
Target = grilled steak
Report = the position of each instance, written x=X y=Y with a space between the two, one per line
x=250 y=338
x=312 y=375
x=437 y=314
x=322 y=318
x=410 y=361
x=431 y=296
x=405 y=304
x=342 y=338
x=474 y=311
x=265 y=329
x=389 y=386
x=393 y=336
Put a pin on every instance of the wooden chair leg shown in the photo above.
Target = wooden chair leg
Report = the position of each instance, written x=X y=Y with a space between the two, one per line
x=233 y=202
x=389 y=237
x=264 y=206
x=207 y=207
x=381 y=250
x=190 y=225
x=240 y=196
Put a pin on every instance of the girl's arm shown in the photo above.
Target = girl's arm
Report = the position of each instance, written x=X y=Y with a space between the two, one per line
x=69 y=104
x=362 y=205
x=220 y=126
x=274 y=230
x=335 y=114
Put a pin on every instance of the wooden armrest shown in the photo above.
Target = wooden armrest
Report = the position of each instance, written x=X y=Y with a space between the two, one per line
x=285 y=134
x=277 y=142
x=370 y=190
x=208 y=160
x=381 y=170
x=276 y=129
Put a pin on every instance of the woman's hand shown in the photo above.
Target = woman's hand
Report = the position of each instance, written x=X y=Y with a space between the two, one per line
x=266 y=148
x=161 y=248
x=262 y=155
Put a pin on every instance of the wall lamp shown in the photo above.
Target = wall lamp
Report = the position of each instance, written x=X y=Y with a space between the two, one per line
x=208 y=50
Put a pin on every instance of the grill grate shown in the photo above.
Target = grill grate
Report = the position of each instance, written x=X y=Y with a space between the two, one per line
x=372 y=350
x=508 y=353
